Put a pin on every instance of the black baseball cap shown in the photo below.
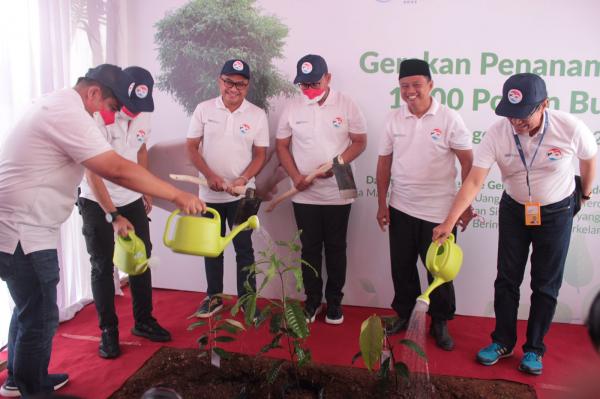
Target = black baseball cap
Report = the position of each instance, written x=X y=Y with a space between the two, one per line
x=310 y=69
x=118 y=81
x=236 y=67
x=412 y=67
x=141 y=95
x=521 y=94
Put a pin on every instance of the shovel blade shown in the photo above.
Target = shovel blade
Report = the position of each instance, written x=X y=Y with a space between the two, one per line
x=345 y=180
x=248 y=206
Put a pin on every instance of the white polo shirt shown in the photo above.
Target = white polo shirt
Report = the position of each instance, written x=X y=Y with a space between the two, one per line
x=423 y=163
x=319 y=133
x=126 y=136
x=551 y=176
x=40 y=170
x=227 y=142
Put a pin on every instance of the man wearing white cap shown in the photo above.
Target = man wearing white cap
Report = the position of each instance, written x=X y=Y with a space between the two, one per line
x=107 y=208
x=227 y=141
x=320 y=125
x=534 y=148
x=41 y=165
x=418 y=151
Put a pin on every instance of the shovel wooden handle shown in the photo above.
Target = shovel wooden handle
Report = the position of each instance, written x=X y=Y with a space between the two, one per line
x=291 y=192
x=239 y=190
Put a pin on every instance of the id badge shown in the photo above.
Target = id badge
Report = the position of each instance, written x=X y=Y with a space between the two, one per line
x=533 y=214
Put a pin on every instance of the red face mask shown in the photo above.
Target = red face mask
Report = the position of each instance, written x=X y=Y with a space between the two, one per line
x=108 y=116
x=312 y=93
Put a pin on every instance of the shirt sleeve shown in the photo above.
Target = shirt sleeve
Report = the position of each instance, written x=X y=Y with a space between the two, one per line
x=386 y=142
x=585 y=143
x=357 y=123
x=460 y=136
x=284 y=130
x=146 y=124
x=262 y=138
x=196 y=127
x=485 y=153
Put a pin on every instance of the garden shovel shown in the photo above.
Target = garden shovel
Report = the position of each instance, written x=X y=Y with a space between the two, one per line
x=344 y=178
x=248 y=206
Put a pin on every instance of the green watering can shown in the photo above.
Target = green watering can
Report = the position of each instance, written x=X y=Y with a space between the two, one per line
x=130 y=254
x=197 y=235
x=443 y=262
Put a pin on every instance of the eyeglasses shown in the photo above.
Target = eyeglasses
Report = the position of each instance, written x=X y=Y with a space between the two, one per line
x=240 y=84
x=312 y=85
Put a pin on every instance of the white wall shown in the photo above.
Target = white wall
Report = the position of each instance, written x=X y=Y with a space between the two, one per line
x=342 y=31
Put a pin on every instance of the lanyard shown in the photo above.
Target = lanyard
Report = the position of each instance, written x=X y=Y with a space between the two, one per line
x=522 y=154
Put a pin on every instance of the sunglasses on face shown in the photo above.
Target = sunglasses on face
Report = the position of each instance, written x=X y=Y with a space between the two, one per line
x=240 y=84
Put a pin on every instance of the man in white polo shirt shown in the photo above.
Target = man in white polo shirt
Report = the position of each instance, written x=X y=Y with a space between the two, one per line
x=41 y=165
x=107 y=208
x=320 y=125
x=534 y=148
x=234 y=136
x=418 y=151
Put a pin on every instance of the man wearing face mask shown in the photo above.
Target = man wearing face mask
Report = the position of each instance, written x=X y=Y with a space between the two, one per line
x=535 y=149
x=418 y=151
x=320 y=125
x=41 y=164
x=107 y=208
x=227 y=141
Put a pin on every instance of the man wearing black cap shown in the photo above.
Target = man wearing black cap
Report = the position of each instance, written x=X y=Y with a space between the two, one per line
x=320 y=125
x=107 y=208
x=234 y=135
x=41 y=164
x=534 y=148
x=417 y=153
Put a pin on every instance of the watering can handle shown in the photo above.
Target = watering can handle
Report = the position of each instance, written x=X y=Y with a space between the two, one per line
x=166 y=240
x=434 y=265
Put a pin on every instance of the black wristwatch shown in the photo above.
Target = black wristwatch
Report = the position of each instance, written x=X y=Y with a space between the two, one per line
x=111 y=216
x=587 y=197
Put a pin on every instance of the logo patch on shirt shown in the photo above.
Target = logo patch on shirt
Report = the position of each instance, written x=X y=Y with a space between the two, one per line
x=306 y=68
x=515 y=96
x=141 y=135
x=244 y=128
x=554 y=154
x=337 y=122
x=436 y=134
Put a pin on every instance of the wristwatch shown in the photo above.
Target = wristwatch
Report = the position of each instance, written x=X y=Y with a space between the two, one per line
x=587 y=197
x=111 y=216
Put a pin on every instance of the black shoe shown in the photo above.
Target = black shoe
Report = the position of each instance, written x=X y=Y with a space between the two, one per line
x=311 y=311
x=335 y=315
x=109 y=345
x=401 y=324
x=439 y=331
x=151 y=330
x=208 y=307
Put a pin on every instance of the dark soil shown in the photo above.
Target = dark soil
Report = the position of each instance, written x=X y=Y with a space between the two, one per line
x=245 y=377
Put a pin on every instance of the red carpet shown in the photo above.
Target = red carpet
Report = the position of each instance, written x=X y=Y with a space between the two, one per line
x=570 y=352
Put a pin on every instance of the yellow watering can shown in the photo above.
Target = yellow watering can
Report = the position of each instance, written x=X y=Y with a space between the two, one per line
x=130 y=254
x=443 y=262
x=197 y=235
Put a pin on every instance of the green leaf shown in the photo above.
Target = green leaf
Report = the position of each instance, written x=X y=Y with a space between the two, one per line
x=203 y=339
x=296 y=319
x=297 y=271
x=356 y=357
x=224 y=338
x=414 y=346
x=222 y=353
x=275 y=323
x=250 y=310
x=196 y=324
x=384 y=370
x=274 y=372
x=273 y=344
x=238 y=326
x=371 y=341
x=402 y=370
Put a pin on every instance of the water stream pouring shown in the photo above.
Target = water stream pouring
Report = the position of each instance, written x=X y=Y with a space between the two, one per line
x=443 y=262
x=197 y=235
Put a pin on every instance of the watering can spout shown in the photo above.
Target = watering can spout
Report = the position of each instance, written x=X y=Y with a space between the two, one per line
x=251 y=223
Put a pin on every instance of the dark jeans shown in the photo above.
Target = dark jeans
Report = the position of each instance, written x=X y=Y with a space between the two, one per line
x=409 y=239
x=244 y=253
x=100 y=243
x=323 y=226
x=550 y=243
x=32 y=281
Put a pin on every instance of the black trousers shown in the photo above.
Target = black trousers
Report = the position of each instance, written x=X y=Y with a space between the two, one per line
x=410 y=238
x=323 y=226
x=100 y=242
x=244 y=253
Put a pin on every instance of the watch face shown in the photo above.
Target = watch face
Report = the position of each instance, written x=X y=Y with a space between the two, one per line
x=108 y=217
